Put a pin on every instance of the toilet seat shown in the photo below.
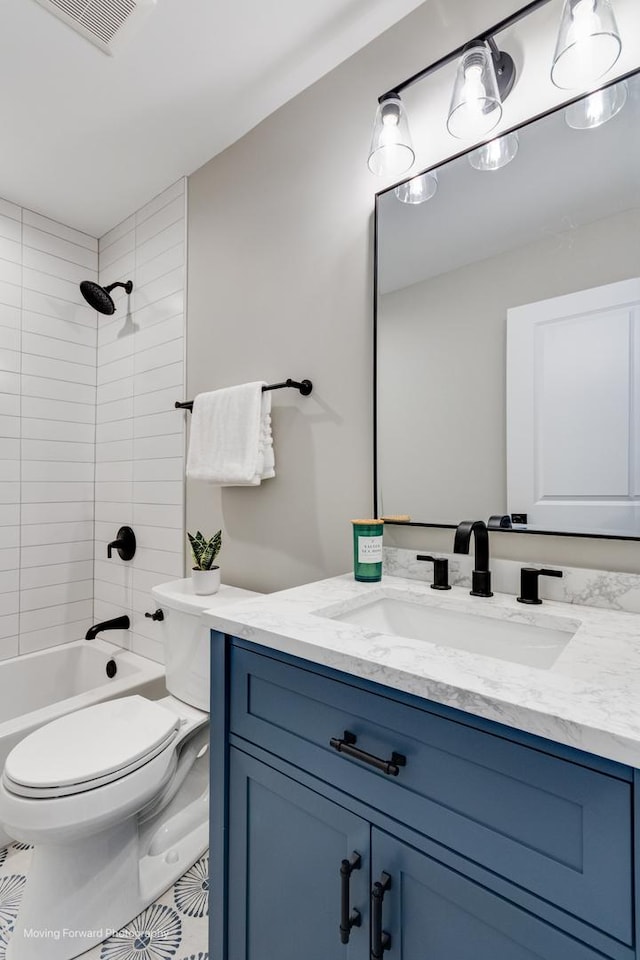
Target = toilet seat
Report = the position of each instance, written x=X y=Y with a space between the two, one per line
x=90 y=748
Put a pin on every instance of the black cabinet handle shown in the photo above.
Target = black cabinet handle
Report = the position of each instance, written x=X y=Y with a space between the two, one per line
x=347 y=745
x=380 y=939
x=348 y=918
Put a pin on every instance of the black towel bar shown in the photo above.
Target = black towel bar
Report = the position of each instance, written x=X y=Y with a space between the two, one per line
x=304 y=386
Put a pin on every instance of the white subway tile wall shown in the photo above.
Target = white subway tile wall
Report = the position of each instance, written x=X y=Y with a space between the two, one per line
x=48 y=341
x=89 y=437
x=140 y=437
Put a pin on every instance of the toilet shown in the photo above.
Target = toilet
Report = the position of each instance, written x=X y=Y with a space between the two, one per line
x=115 y=797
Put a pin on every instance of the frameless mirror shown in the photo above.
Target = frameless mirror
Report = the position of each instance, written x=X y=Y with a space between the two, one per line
x=508 y=330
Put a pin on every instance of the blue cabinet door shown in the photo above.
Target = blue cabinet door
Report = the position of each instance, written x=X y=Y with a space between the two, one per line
x=431 y=912
x=286 y=845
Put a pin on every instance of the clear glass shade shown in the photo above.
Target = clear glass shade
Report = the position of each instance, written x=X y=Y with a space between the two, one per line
x=588 y=43
x=418 y=189
x=495 y=154
x=476 y=107
x=597 y=108
x=391 y=152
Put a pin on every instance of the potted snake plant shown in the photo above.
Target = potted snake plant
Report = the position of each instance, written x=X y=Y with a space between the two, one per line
x=205 y=576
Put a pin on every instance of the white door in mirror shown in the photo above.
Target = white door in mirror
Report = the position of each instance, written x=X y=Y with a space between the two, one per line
x=573 y=397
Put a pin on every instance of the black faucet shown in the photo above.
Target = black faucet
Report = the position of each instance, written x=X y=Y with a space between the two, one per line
x=481 y=576
x=119 y=623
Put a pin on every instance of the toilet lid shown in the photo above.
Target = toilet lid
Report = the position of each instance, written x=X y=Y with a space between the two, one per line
x=91 y=743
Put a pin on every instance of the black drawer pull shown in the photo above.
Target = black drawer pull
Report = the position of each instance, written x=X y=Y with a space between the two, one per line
x=348 y=746
x=348 y=918
x=380 y=939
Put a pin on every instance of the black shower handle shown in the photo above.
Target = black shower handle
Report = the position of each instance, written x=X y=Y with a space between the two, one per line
x=125 y=544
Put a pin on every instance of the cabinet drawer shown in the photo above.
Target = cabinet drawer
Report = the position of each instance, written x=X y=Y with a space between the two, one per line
x=555 y=828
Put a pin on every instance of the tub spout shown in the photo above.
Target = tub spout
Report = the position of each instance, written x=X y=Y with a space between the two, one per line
x=119 y=623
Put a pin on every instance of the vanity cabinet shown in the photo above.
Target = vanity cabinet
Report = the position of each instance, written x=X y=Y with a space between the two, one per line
x=287 y=844
x=495 y=844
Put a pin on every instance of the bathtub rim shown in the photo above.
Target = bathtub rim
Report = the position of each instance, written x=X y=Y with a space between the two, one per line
x=146 y=671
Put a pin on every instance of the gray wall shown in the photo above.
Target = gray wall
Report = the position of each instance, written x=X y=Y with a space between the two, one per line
x=280 y=284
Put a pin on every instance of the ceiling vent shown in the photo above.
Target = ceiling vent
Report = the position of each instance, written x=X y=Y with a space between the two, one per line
x=104 y=22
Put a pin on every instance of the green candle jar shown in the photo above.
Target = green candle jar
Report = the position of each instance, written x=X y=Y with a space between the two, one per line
x=367 y=550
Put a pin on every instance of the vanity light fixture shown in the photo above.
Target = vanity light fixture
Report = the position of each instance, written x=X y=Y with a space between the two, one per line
x=597 y=108
x=391 y=152
x=495 y=154
x=588 y=44
x=484 y=79
x=419 y=189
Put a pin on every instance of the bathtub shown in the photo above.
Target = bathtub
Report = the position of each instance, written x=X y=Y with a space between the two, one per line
x=38 y=687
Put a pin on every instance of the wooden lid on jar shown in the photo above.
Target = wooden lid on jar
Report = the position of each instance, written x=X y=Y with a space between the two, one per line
x=367 y=522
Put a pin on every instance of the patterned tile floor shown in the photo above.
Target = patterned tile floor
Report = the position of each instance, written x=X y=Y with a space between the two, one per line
x=172 y=928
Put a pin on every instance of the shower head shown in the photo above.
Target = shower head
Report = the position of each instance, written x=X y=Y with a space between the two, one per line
x=100 y=297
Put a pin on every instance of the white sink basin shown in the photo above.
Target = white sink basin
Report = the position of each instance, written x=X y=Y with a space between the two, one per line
x=488 y=633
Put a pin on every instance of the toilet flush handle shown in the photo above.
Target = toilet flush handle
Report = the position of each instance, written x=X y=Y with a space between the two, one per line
x=156 y=615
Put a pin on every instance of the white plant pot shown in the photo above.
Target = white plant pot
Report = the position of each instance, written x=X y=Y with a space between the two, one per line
x=206 y=581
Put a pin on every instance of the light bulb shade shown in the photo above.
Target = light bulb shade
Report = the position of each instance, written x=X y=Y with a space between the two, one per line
x=391 y=152
x=597 y=108
x=495 y=154
x=476 y=107
x=588 y=43
x=419 y=189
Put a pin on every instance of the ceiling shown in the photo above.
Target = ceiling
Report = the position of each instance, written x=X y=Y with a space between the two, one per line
x=87 y=138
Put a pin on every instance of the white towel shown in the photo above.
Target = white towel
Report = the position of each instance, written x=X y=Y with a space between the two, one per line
x=230 y=442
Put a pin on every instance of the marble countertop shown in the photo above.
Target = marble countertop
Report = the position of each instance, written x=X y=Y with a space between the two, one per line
x=589 y=698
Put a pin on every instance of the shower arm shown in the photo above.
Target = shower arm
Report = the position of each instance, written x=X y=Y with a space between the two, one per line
x=128 y=286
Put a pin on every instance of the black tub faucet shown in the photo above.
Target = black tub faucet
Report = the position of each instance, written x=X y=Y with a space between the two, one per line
x=481 y=576
x=118 y=623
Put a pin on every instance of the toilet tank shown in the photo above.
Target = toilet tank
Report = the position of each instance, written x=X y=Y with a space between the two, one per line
x=186 y=639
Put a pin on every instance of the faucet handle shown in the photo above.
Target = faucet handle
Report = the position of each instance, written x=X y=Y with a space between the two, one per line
x=440 y=571
x=529 y=577
x=125 y=544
